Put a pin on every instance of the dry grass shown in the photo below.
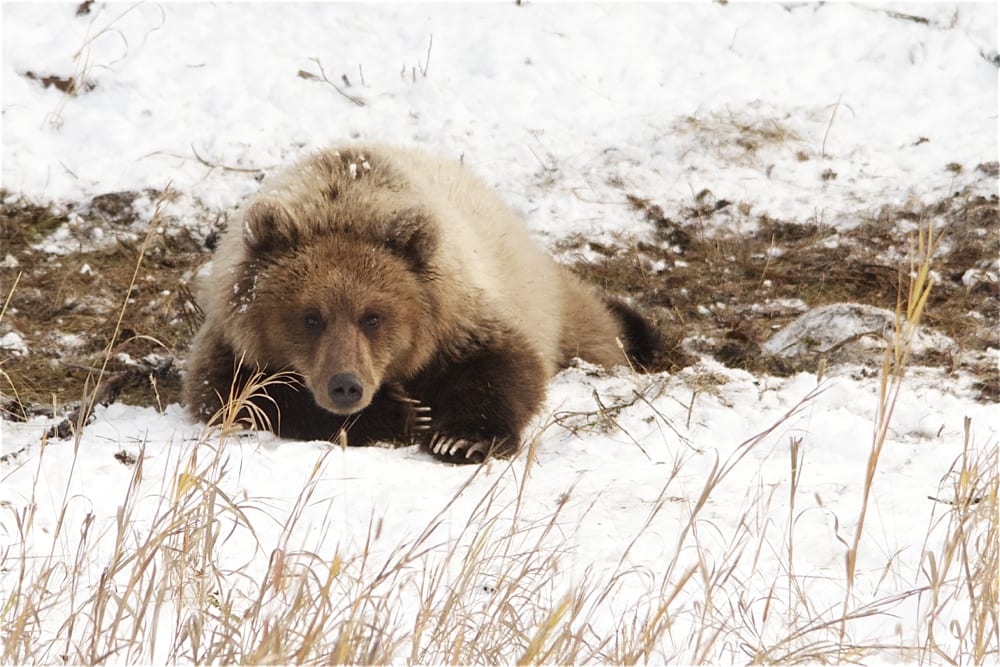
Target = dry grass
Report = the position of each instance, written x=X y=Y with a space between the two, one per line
x=962 y=572
x=154 y=590
x=894 y=364
x=736 y=137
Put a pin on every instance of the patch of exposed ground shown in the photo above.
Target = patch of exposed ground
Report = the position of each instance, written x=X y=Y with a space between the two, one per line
x=720 y=294
x=727 y=293
x=736 y=137
x=63 y=309
x=66 y=84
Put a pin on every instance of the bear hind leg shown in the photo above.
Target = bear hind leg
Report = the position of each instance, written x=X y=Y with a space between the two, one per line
x=606 y=331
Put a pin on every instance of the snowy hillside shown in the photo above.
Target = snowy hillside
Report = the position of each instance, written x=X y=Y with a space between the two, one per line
x=753 y=176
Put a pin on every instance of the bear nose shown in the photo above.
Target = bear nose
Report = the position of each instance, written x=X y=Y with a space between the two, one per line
x=345 y=389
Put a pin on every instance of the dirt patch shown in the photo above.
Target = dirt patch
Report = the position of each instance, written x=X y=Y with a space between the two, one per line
x=720 y=294
x=737 y=137
x=64 y=309
x=66 y=84
x=726 y=294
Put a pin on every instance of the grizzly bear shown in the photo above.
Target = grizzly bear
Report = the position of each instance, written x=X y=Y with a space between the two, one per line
x=404 y=301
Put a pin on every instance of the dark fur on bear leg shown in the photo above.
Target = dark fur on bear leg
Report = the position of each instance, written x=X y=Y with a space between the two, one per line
x=292 y=413
x=287 y=407
x=211 y=375
x=480 y=404
x=644 y=345
x=392 y=416
x=215 y=376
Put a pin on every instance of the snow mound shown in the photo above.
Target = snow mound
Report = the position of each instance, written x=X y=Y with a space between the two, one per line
x=13 y=342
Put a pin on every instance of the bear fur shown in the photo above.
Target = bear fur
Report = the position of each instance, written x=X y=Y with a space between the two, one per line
x=404 y=301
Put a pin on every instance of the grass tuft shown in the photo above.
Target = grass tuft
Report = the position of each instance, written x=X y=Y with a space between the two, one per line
x=894 y=364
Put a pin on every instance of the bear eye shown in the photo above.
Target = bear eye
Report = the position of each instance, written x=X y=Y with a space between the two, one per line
x=371 y=321
x=313 y=320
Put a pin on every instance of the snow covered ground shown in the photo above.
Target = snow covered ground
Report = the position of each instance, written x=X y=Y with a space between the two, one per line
x=805 y=112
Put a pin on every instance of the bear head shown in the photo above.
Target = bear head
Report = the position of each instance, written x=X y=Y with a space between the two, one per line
x=343 y=296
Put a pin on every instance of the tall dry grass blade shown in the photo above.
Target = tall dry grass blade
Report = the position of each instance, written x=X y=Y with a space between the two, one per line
x=90 y=398
x=10 y=383
x=796 y=458
x=963 y=570
x=894 y=362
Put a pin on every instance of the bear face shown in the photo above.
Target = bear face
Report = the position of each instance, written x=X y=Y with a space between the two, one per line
x=345 y=326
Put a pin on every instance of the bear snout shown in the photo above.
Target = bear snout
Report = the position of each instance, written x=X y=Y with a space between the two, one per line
x=345 y=390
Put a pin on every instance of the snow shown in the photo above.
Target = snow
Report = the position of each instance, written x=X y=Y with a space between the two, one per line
x=71 y=340
x=13 y=342
x=973 y=277
x=808 y=112
x=517 y=91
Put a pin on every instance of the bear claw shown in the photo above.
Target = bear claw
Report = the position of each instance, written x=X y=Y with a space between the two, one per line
x=444 y=445
x=422 y=420
x=477 y=448
x=460 y=448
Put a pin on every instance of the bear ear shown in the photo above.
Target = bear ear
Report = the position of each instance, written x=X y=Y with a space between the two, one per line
x=269 y=227
x=411 y=236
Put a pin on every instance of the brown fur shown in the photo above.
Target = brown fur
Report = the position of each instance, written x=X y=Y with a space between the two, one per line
x=406 y=300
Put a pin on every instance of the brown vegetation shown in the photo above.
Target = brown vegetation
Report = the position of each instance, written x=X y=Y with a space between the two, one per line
x=65 y=307
x=724 y=294
x=728 y=293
